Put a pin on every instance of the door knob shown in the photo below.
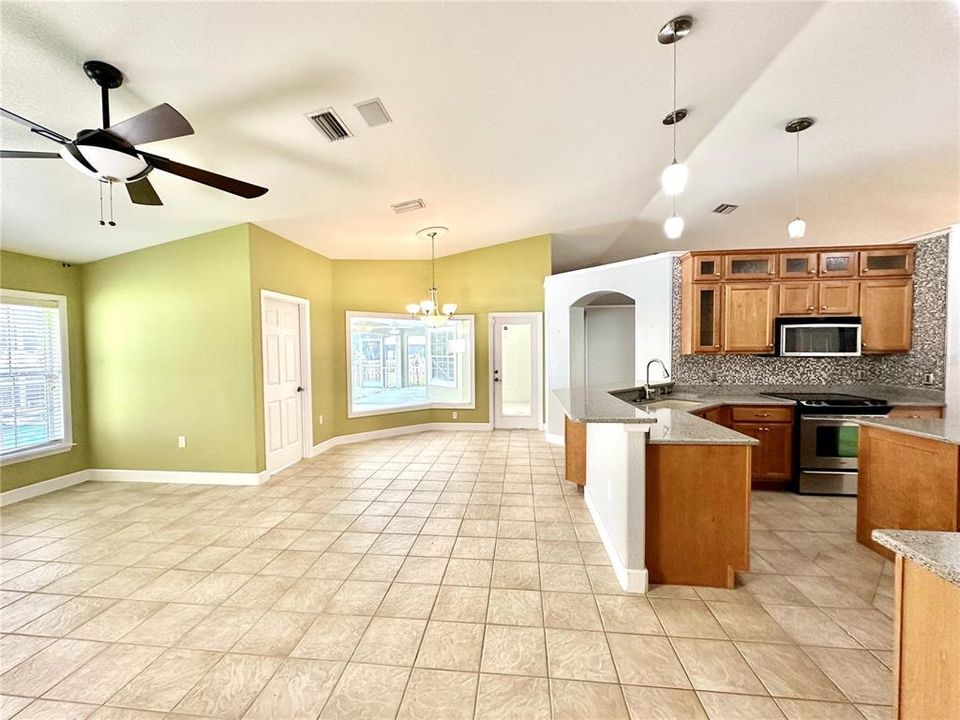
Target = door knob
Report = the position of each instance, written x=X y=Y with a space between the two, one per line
x=299 y=389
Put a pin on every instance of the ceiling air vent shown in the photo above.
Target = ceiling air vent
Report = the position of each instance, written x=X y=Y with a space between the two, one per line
x=408 y=206
x=373 y=112
x=329 y=123
x=725 y=208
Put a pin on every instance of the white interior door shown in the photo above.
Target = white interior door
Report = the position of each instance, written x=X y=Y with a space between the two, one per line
x=516 y=370
x=283 y=389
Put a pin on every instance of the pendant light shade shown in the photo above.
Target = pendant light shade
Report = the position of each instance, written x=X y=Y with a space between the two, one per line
x=797 y=227
x=674 y=178
x=673 y=227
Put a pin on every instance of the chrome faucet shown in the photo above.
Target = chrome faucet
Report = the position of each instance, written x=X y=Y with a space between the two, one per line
x=661 y=388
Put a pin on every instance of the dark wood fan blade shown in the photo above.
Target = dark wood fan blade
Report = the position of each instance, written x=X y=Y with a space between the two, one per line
x=204 y=177
x=159 y=123
x=27 y=154
x=38 y=129
x=142 y=193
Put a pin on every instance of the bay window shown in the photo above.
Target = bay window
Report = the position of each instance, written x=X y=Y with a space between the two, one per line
x=396 y=363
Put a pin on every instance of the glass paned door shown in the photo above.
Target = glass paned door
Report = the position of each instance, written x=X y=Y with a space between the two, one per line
x=516 y=371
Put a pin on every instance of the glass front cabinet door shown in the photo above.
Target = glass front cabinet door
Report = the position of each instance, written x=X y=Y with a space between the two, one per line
x=706 y=268
x=796 y=266
x=706 y=319
x=838 y=264
x=886 y=262
x=750 y=267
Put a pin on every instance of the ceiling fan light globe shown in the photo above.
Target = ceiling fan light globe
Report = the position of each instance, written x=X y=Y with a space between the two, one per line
x=428 y=306
x=797 y=228
x=673 y=180
x=449 y=308
x=111 y=165
x=673 y=227
x=413 y=308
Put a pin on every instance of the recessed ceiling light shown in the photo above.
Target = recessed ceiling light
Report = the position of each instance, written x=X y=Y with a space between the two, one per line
x=373 y=112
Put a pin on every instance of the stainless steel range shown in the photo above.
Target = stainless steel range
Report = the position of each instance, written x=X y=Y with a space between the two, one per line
x=827 y=440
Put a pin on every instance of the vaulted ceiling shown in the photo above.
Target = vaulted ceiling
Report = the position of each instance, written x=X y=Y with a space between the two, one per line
x=509 y=120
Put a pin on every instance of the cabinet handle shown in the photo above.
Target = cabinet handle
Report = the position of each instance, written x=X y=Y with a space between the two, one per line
x=812 y=271
x=866 y=269
x=716 y=347
x=823 y=307
x=811 y=308
x=717 y=274
x=763 y=414
x=771 y=273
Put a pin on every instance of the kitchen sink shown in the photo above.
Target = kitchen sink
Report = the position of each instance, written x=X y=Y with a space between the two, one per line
x=670 y=404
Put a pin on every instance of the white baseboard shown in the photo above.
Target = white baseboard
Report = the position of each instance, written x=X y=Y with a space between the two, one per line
x=43 y=487
x=184 y=477
x=397 y=432
x=553 y=439
x=630 y=579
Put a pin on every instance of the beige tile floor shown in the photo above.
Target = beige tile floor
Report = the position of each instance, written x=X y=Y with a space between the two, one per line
x=440 y=575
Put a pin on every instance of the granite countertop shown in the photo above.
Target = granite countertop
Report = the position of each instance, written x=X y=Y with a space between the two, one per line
x=947 y=431
x=672 y=425
x=938 y=552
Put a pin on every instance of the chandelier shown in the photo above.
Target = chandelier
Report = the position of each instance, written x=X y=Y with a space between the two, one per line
x=430 y=311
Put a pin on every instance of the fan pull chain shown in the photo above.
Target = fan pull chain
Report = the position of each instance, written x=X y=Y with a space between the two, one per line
x=111 y=223
x=101 y=203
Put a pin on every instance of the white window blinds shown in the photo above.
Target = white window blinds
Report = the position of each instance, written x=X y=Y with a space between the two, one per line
x=32 y=397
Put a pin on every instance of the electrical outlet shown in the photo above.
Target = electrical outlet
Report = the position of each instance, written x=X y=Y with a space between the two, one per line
x=320 y=419
x=860 y=375
x=181 y=441
x=928 y=379
x=455 y=414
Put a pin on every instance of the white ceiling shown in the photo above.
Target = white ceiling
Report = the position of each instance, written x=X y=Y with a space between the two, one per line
x=510 y=120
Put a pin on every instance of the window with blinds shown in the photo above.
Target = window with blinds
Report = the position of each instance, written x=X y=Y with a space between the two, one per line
x=34 y=411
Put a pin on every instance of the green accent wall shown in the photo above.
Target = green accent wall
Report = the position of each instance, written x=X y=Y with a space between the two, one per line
x=24 y=272
x=282 y=266
x=169 y=337
x=165 y=341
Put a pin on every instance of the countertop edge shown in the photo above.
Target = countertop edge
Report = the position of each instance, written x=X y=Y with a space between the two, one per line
x=901 y=425
x=919 y=546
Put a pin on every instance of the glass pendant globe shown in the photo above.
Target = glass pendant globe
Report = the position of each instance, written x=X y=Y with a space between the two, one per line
x=673 y=227
x=797 y=228
x=674 y=178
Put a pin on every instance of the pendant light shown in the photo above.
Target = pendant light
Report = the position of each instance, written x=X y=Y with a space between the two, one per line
x=430 y=311
x=673 y=180
x=797 y=227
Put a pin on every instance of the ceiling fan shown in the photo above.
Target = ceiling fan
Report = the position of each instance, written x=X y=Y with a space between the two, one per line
x=110 y=155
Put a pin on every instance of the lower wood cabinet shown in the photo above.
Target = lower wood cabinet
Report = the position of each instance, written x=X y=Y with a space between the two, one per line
x=575 y=451
x=886 y=307
x=773 y=457
x=916 y=412
x=748 y=313
x=905 y=483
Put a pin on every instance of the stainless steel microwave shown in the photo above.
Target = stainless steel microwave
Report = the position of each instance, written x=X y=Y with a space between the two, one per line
x=818 y=337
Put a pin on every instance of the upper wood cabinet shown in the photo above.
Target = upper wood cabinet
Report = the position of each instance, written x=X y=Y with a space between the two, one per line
x=705 y=332
x=886 y=309
x=838 y=264
x=887 y=262
x=839 y=297
x=730 y=300
x=751 y=266
x=707 y=268
x=798 y=298
x=798 y=265
x=749 y=310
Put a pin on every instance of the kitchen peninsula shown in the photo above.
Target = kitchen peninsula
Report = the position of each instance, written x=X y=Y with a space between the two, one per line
x=668 y=481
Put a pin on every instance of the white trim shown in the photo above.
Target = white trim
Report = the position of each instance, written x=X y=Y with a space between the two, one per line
x=306 y=376
x=43 y=487
x=951 y=381
x=538 y=328
x=66 y=442
x=553 y=439
x=630 y=580
x=550 y=279
x=471 y=404
x=180 y=477
x=397 y=432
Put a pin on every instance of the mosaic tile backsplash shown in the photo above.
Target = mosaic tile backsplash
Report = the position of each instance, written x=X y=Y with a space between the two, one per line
x=905 y=369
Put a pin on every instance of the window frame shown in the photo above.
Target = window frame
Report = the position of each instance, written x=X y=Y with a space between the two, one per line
x=66 y=443
x=471 y=349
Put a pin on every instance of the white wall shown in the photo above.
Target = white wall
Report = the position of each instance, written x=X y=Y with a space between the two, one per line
x=610 y=336
x=647 y=280
x=952 y=386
